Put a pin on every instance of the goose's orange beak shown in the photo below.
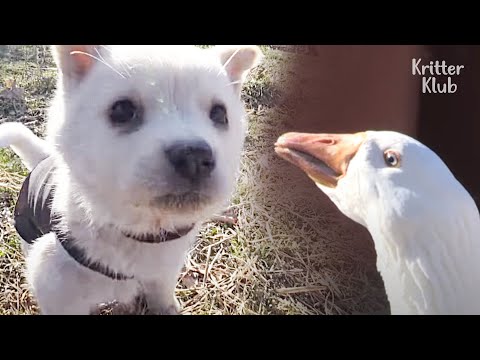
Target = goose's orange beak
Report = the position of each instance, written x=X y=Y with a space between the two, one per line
x=323 y=157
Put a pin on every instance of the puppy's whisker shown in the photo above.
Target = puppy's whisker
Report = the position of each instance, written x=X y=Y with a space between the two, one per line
x=99 y=60
x=119 y=61
x=234 y=83
x=125 y=68
x=106 y=48
x=229 y=59
x=134 y=66
x=122 y=63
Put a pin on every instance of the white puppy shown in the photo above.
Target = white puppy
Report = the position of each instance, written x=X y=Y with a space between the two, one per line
x=143 y=144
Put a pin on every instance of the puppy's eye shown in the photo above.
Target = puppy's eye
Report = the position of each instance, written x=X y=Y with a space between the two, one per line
x=124 y=111
x=392 y=158
x=218 y=114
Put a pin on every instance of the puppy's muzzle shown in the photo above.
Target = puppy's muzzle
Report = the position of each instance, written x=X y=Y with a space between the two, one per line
x=192 y=160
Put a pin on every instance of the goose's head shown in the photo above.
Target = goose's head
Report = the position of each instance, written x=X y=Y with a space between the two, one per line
x=377 y=176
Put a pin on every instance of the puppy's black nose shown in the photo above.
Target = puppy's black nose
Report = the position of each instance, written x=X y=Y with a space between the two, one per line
x=192 y=160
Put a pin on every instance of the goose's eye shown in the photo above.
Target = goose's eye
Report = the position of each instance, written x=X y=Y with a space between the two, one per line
x=392 y=158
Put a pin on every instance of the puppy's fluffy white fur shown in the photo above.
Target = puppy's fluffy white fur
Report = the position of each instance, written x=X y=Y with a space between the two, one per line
x=109 y=178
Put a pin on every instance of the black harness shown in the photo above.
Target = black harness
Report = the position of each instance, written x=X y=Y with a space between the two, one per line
x=33 y=219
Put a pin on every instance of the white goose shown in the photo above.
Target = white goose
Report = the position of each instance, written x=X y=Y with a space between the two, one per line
x=425 y=225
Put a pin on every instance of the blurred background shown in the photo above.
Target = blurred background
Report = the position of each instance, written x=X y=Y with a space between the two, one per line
x=359 y=87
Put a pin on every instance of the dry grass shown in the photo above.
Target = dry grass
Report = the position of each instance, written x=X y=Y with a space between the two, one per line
x=288 y=253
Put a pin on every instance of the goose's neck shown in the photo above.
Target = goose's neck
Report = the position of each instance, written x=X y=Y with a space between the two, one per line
x=430 y=270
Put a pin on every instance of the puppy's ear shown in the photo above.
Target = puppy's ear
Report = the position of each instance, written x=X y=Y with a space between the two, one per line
x=75 y=61
x=238 y=60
